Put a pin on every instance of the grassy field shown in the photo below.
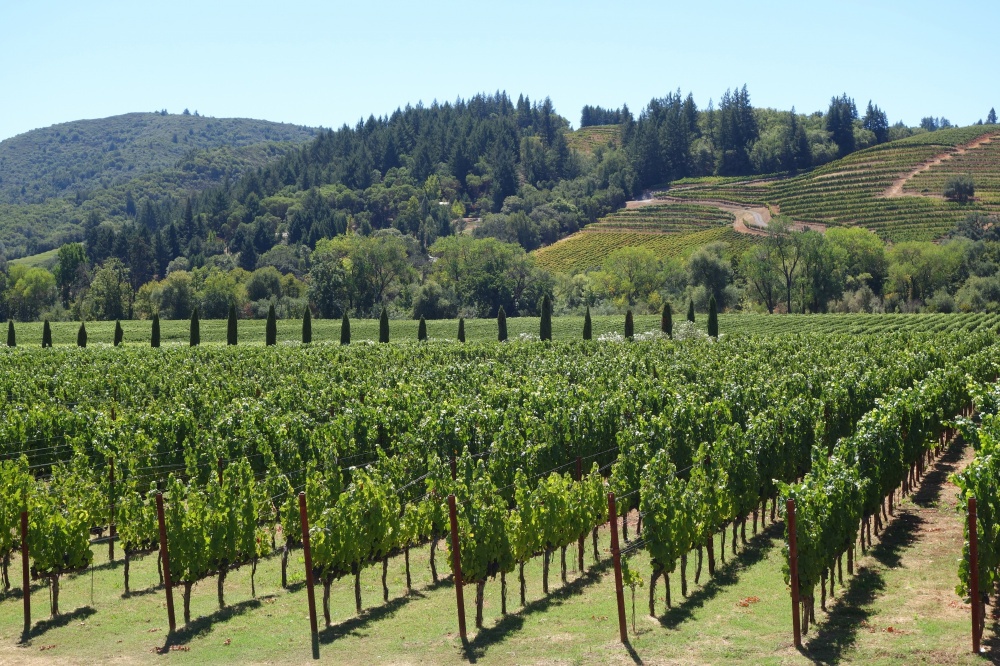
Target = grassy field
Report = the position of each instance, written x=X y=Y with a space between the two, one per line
x=251 y=331
x=899 y=608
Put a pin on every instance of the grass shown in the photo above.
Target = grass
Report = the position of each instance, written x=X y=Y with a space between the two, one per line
x=742 y=615
x=251 y=331
x=46 y=260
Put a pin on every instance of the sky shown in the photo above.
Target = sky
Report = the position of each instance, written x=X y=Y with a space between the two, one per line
x=327 y=63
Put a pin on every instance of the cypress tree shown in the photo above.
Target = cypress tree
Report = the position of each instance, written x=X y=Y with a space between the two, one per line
x=422 y=330
x=154 y=340
x=11 y=336
x=629 y=326
x=461 y=329
x=271 y=330
x=501 y=325
x=232 y=334
x=119 y=333
x=691 y=311
x=383 y=326
x=307 y=327
x=81 y=336
x=195 y=335
x=345 y=330
x=713 y=318
x=588 y=329
x=545 y=329
x=46 y=334
x=667 y=320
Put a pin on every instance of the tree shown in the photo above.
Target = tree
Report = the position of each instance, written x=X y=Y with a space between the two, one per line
x=231 y=330
x=588 y=332
x=119 y=333
x=991 y=118
x=876 y=122
x=713 y=318
x=81 y=335
x=545 y=326
x=786 y=246
x=154 y=338
x=690 y=316
x=758 y=268
x=46 y=334
x=629 y=326
x=307 y=329
x=501 y=325
x=11 y=336
x=422 y=330
x=194 y=337
x=667 y=321
x=110 y=295
x=271 y=328
x=709 y=268
x=383 y=326
x=631 y=273
x=960 y=189
x=345 y=330
x=70 y=270
x=461 y=329
x=840 y=123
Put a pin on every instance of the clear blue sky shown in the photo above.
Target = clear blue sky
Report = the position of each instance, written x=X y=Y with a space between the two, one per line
x=327 y=63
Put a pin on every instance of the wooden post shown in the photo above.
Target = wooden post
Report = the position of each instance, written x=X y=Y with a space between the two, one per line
x=579 y=543
x=25 y=574
x=454 y=467
x=456 y=564
x=793 y=560
x=310 y=592
x=111 y=519
x=219 y=464
x=617 y=558
x=977 y=607
x=165 y=556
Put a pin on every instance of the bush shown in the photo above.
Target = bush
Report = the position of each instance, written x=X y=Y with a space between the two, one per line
x=588 y=328
x=307 y=329
x=345 y=330
x=81 y=336
x=383 y=326
x=119 y=333
x=271 y=329
x=501 y=325
x=154 y=339
x=960 y=189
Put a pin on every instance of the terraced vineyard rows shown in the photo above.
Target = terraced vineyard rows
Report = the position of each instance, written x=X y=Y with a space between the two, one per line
x=586 y=139
x=980 y=163
x=586 y=250
x=850 y=191
x=664 y=219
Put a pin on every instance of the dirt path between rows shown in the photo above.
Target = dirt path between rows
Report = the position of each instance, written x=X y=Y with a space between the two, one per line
x=752 y=220
x=896 y=189
x=904 y=590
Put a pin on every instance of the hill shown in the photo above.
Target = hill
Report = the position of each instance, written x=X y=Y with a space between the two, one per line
x=894 y=189
x=52 y=178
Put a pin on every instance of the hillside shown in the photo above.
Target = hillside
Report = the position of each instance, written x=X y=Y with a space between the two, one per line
x=52 y=178
x=894 y=189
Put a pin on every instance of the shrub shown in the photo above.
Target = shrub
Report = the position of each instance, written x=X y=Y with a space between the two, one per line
x=383 y=326
x=194 y=337
x=46 y=334
x=422 y=330
x=154 y=339
x=119 y=333
x=588 y=329
x=461 y=329
x=345 y=330
x=629 y=326
x=11 y=336
x=307 y=327
x=81 y=336
x=231 y=330
x=501 y=325
x=271 y=330
x=713 y=318
x=690 y=316
x=545 y=327
x=667 y=321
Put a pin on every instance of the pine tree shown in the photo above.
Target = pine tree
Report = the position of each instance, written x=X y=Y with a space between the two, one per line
x=195 y=335
x=461 y=329
x=154 y=340
x=629 y=326
x=422 y=330
x=46 y=334
x=231 y=330
x=713 y=318
x=691 y=311
x=81 y=336
x=307 y=327
x=992 y=117
x=588 y=329
x=545 y=329
x=383 y=326
x=11 y=336
x=271 y=330
x=667 y=321
x=345 y=330
x=119 y=333
x=501 y=325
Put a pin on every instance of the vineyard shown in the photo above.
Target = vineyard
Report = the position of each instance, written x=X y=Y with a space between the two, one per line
x=114 y=452
x=851 y=191
x=586 y=139
x=586 y=249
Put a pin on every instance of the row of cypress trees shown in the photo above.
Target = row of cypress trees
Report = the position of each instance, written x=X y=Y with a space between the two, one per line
x=271 y=327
